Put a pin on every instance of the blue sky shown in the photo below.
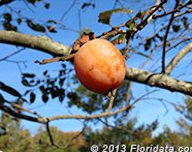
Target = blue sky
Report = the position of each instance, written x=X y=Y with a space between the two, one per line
x=146 y=111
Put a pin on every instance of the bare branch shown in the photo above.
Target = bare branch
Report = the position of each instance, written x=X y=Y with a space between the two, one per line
x=104 y=114
x=113 y=32
x=178 y=43
x=42 y=43
x=137 y=75
x=49 y=134
x=12 y=54
x=174 y=11
x=56 y=59
x=177 y=58
x=182 y=13
x=150 y=16
x=159 y=80
x=20 y=115
x=143 y=96
x=166 y=36
x=24 y=109
x=63 y=16
x=112 y=99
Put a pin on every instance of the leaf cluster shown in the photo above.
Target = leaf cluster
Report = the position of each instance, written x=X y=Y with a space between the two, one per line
x=50 y=87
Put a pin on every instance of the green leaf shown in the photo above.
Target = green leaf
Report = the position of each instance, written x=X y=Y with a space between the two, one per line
x=7 y=17
x=36 y=27
x=61 y=82
x=32 y=97
x=25 y=82
x=176 y=28
x=47 y=5
x=104 y=17
x=52 y=21
x=45 y=73
x=28 y=75
x=8 y=26
x=120 y=39
x=85 y=5
x=9 y=90
x=131 y=23
x=61 y=95
x=19 y=20
x=45 y=98
x=61 y=98
x=54 y=91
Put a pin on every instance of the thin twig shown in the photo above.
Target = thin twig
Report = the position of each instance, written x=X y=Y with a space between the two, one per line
x=63 y=16
x=177 y=58
x=12 y=54
x=104 y=114
x=149 y=17
x=20 y=115
x=144 y=95
x=183 y=13
x=113 y=32
x=112 y=99
x=180 y=42
x=49 y=133
x=166 y=36
x=173 y=11
x=24 y=109
x=56 y=59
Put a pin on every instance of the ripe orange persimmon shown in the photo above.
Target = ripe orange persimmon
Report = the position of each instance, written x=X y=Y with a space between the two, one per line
x=99 y=66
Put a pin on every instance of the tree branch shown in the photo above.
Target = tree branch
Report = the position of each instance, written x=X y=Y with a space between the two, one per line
x=12 y=54
x=48 y=46
x=49 y=134
x=166 y=36
x=104 y=114
x=150 y=16
x=159 y=80
x=20 y=115
x=42 y=43
x=112 y=99
x=174 y=11
x=177 y=58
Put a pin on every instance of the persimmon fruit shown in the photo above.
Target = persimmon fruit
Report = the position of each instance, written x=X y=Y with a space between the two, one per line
x=99 y=66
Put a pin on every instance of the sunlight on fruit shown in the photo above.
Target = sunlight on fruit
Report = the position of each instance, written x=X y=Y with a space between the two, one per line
x=100 y=66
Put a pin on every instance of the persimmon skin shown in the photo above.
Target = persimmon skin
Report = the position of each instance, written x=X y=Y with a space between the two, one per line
x=99 y=66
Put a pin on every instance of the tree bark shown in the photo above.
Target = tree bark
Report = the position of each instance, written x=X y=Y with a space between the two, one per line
x=41 y=43
x=163 y=81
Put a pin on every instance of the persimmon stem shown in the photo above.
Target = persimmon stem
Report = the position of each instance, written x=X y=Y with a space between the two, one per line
x=56 y=59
